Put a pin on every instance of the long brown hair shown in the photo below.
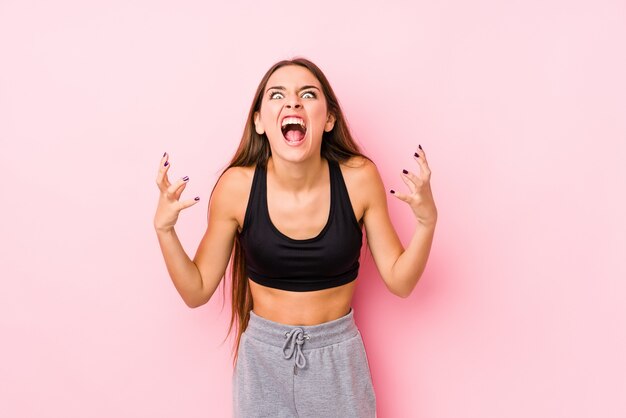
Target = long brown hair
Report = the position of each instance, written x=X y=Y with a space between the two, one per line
x=337 y=145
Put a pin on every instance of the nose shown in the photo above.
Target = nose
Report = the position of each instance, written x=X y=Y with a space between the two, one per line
x=294 y=102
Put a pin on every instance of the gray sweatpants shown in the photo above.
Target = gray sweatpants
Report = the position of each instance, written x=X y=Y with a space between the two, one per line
x=286 y=371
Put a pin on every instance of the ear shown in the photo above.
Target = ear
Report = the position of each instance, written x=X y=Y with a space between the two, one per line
x=330 y=123
x=258 y=125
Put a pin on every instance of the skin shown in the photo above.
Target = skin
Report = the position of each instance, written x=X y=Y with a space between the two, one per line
x=298 y=189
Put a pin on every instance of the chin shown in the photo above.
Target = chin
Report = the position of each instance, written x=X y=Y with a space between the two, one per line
x=298 y=152
x=292 y=157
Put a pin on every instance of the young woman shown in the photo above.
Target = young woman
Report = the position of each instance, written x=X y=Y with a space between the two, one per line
x=289 y=210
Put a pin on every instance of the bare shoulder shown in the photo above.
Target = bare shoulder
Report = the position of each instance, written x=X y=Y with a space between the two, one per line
x=230 y=196
x=235 y=179
x=360 y=172
x=363 y=182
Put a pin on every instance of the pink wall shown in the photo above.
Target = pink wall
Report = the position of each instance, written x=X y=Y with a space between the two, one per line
x=520 y=106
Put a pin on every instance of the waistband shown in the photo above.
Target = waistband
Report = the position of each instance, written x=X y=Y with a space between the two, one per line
x=294 y=339
x=321 y=335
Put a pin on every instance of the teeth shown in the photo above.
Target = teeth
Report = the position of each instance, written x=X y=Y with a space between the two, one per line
x=298 y=121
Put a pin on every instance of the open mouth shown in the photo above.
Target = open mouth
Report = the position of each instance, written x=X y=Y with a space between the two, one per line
x=294 y=129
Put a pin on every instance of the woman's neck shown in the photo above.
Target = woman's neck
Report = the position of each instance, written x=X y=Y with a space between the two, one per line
x=297 y=177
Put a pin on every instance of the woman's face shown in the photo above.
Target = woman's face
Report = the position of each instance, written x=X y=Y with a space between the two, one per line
x=293 y=114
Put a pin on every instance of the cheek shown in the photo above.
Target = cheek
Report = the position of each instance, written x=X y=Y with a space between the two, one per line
x=319 y=115
x=267 y=118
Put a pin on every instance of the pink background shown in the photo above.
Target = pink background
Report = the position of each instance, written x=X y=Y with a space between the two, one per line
x=520 y=106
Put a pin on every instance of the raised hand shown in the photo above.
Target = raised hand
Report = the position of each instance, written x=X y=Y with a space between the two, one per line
x=420 y=196
x=169 y=204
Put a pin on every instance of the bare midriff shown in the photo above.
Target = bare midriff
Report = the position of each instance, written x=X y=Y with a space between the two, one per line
x=301 y=308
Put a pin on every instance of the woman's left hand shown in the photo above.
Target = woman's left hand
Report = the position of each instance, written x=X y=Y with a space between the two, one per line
x=420 y=196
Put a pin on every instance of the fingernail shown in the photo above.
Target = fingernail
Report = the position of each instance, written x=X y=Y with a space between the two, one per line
x=405 y=172
x=421 y=147
x=185 y=178
x=164 y=153
x=166 y=164
x=196 y=198
x=392 y=191
x=416 y=155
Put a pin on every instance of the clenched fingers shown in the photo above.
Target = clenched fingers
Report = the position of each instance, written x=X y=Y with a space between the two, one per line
x=410 y=179
x=162 y=180
x=420 y=157
x=419 y=195
x=176 y=189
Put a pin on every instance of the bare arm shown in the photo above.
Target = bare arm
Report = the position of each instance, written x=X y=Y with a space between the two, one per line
x=183 y=272
x=400 y=268
x=196 y=280
x=214 y=251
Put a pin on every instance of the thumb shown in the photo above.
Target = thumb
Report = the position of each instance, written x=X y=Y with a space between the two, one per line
x=189 y=203
x=402 y=196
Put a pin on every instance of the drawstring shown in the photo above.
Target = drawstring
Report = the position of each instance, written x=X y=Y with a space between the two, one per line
x=295 y=339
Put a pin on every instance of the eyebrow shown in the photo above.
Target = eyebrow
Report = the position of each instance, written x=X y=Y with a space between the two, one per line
x=283 y=88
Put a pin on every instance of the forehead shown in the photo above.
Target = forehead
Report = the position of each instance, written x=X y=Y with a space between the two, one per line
x=292 y=75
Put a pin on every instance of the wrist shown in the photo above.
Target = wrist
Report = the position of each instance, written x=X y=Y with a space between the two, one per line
x=427 y=223
x=169 y=230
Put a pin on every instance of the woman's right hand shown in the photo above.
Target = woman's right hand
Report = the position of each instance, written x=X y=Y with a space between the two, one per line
x=169 y=205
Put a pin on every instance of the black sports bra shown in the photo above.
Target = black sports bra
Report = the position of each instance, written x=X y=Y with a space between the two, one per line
x=275 y=260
